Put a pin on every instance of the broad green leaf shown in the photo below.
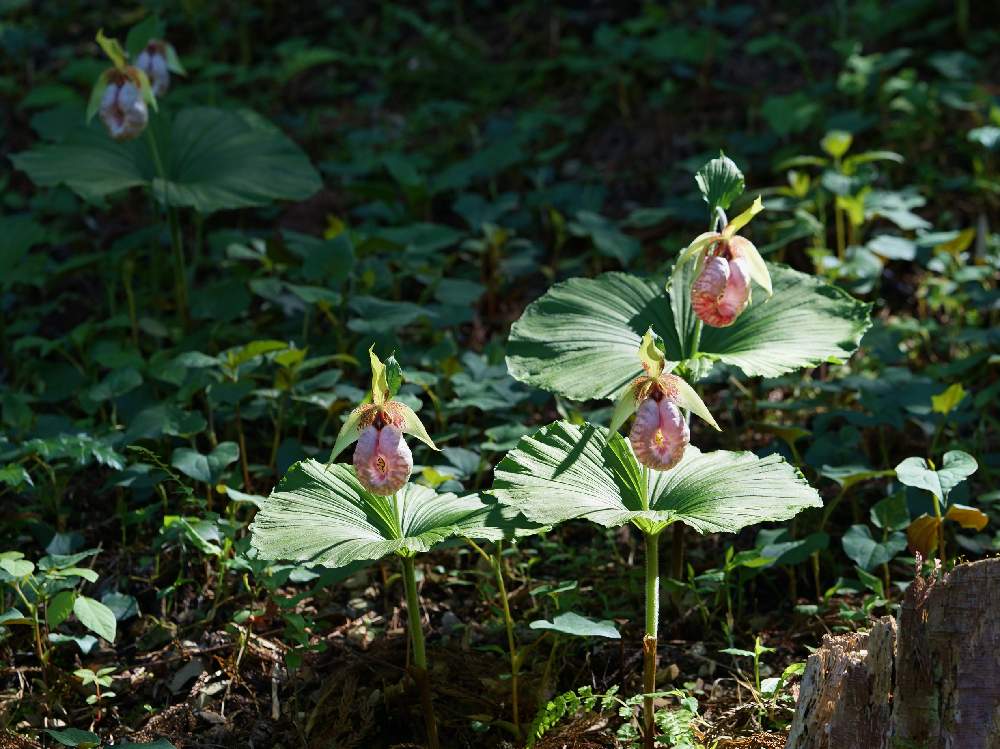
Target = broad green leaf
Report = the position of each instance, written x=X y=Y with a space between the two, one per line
x=868 y=553
x=848 y=476
x=565 y=471
x=17 y=568
x=214 y=159
x=956 y=467
x=74 y=737
x=579 y=339
x=322 y=515
x=96 y=617
x=570 y=623
x=59 y=608
x=720 y=182
x=891 y=513
x=205 y=468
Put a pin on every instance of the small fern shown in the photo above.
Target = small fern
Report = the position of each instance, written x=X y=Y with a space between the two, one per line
x=567 y=705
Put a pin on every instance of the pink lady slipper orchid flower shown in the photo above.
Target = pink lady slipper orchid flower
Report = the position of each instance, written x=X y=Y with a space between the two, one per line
x=726 y=265
x=153 y=62
x=122 y=94
x=382 y=459
x=123 y=109
x=660 y=432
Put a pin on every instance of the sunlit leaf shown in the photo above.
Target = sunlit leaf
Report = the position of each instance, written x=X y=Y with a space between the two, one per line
x=571 y=623
x=946 y=402
x=579 y=339
x=565 y=471
x=322 y=515
x=720 y=182
x=968 y=517
x=956 y=467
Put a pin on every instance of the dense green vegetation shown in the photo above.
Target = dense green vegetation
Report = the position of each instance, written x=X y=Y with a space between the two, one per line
x=480 y=224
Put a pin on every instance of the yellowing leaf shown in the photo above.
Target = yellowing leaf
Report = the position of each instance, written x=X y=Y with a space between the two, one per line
x=967 y=517
x=922 y=535
x=946 y=402
x=836 y=143
x=334 y=227
x=959 y=244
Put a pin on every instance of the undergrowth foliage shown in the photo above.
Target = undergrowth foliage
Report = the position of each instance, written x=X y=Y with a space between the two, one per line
x=348 y=361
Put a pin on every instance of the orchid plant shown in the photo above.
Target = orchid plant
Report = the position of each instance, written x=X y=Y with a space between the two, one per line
x=336 y=514
x=620 y=336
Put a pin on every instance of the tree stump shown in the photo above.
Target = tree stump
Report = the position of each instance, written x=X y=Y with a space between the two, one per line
x=929 y=681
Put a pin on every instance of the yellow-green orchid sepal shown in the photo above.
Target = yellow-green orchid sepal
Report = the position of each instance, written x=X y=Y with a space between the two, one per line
x=113 y=49
x=413 y=425
x=685 y=396
x=653 y=360
x=743 y=219
x=380 y=384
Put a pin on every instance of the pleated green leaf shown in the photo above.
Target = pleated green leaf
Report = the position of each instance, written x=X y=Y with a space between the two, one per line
x=580 y=338
x=321 y=514
x=212 y=159
x=565 y=472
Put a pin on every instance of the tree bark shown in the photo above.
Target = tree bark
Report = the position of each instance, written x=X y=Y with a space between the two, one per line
x=930 y=680
x=845 y=699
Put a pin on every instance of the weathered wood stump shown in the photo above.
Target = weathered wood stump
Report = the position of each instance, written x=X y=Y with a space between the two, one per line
x=929 y=681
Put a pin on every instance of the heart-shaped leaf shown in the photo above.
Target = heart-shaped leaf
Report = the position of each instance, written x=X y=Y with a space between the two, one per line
x=868 y=553
x=955 y=468
x=579 y=339
x=213 y=159
x=570 y=623
x=565 y=471
x=322 y=515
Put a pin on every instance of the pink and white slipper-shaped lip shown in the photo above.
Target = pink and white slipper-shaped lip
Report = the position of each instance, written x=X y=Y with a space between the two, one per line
x=382 y=460
x=659 y=434
x=721 y=292
x=123 y=110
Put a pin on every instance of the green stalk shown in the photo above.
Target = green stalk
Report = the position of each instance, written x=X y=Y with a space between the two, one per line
x=652 y=544
x=176 y=239
x=419 y=670
x=940 y=528
x=515 y=666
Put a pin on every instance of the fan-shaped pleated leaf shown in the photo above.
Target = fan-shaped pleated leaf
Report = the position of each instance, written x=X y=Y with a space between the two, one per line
x=565 y=471
x=213 y=159
x=581 y=338
x=321 y=514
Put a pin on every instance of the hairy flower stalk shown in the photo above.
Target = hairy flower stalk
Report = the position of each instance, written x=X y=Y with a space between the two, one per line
x=153 y=62
x=123 y=107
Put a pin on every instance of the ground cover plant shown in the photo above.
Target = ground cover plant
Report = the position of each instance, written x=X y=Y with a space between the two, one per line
x=482 y=376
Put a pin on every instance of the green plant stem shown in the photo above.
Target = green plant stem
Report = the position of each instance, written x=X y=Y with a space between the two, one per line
x=652 y=544
x=515 y=666
x=176 y=239
x=940 y=528
x=419 y=669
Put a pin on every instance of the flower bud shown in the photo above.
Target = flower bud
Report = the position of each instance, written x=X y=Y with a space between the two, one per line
x=123 y=110
x=721 y=291
x=659 y=434
x=382 y=459
x=153 y=62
